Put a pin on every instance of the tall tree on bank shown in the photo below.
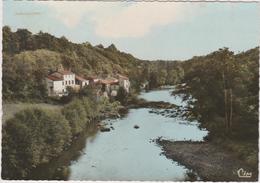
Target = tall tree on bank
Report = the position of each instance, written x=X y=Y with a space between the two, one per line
x=223 y=87
x=227 y=68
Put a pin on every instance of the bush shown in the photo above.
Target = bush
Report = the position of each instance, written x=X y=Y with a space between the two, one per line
x=90 y=107
x=107 y=108
x=75 y=113
x=32 y=137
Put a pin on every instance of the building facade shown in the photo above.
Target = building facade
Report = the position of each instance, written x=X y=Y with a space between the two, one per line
x=58 y=82
x=124 y=82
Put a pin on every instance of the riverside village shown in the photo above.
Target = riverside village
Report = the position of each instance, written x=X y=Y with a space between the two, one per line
x=108 y=86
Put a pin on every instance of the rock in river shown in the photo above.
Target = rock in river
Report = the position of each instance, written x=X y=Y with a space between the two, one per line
x=136 y=127
x=104 y=129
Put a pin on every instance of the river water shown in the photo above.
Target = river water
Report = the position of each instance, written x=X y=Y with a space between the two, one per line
x=127 y=153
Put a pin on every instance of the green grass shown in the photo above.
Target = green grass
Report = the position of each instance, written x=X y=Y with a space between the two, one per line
x=10 y=109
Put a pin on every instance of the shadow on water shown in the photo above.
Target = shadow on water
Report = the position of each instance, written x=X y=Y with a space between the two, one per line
x=58 y=168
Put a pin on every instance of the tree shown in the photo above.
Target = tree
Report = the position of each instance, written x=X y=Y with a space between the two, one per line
x=75 y=113
x=23 y=36
x=32 y=137
x=161 y=77
x=220 y=84
x=89 y=91
x=121 y=95
x=153 y=80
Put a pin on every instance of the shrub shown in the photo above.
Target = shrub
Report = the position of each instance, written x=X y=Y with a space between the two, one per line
x=75 y=113
x=32 y=137
x=90 y=107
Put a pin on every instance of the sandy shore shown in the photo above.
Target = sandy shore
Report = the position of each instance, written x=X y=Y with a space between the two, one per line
x=209 y=161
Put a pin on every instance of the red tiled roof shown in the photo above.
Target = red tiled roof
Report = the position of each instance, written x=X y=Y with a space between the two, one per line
x=54 y=78
x=121 y=76
x=58 y=75
x=108 y=81
x=80 y=78
x=65 y=72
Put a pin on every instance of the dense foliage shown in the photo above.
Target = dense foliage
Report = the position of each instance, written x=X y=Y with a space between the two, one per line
x=35 y=136
x=224 y=85
x=28 y=58
x=224 y=88
x=121 y=95
x=76 y=115
x=32 y=137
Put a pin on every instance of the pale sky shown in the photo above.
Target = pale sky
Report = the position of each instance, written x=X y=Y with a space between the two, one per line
x=147 y=30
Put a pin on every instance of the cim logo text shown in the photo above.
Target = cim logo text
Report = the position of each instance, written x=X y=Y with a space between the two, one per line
x=243 y=173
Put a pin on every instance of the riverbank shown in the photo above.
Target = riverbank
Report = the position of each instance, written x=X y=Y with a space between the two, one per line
x=147 y=104
x=211 y=162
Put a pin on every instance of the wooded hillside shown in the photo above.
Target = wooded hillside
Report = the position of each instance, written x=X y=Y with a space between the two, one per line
x=28 y=58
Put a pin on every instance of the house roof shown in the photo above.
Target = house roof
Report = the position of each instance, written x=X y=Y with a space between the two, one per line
x=80 y=78
x=108 y=81
x=54 y=78
x=111 y=78
x=65 y=72
x=123 y=77
x=58 y=75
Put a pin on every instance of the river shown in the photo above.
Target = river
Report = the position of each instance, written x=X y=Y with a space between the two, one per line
x=126 y=153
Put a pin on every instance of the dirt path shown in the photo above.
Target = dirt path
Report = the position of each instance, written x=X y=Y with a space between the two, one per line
x=210 y=162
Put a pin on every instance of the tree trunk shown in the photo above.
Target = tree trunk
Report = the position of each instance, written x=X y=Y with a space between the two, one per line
x=231 y=108
x=226 y=109
x=225 y=101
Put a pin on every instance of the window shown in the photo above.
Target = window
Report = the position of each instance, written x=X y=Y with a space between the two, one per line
x=69 y=82
x=62 y=83
x=72 y=82
x=66 y=82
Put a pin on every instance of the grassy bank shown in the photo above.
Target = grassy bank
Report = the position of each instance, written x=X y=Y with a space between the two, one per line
x=10 y=109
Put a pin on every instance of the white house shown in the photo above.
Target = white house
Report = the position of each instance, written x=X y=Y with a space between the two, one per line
x=58 y=81
x=124 y=82
x=54 y=85
x=81 y=81
x=111 y=85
